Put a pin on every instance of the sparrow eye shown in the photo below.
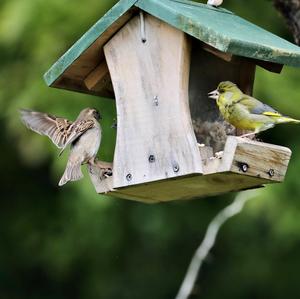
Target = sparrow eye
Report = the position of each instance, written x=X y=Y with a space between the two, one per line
x=97 y=114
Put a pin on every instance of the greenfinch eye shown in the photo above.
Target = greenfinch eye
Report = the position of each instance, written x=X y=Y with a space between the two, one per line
x=221 y=90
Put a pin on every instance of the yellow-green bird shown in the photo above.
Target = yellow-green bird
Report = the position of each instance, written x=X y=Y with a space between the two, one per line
x=245 y=112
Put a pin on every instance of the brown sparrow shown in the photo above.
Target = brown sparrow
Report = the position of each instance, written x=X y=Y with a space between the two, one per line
x=83 y=135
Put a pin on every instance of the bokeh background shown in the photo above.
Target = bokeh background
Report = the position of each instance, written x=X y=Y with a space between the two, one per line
x=72 y=243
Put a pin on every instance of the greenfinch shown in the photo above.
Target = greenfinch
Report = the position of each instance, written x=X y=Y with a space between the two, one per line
x=245 y=112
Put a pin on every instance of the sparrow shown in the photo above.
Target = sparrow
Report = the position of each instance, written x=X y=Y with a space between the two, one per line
x=245 y=112
x=83 y=135
x=215 y=3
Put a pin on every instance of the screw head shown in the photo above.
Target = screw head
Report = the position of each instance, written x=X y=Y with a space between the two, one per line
x=176 y=167
x=243 y=167
x=151 y=159
x=271 y=172
x=129 y=177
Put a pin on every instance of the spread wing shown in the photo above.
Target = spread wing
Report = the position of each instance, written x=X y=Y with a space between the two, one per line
x=56 y=128
x=61 y=131
x=254 y=106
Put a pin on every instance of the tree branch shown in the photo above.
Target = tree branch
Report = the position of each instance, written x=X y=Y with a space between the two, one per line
x=209 y=241
x=290 y=10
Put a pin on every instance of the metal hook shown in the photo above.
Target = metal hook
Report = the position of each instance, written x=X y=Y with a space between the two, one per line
x=143 y=33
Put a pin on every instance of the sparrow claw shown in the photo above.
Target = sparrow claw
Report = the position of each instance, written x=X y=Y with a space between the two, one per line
x=108 y=173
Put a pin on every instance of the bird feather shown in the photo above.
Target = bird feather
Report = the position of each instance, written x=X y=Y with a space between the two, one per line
x=56 y=128
x=76 y=130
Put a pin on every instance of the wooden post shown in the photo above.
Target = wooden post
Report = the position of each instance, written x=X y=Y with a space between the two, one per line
x=155 y=137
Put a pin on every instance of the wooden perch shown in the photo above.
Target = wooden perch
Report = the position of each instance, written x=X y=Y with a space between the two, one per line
x=245 y=164
x=253 y=158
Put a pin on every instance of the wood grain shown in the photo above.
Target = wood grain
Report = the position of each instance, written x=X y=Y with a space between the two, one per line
x=99 y=79
x=267 y=65
x=225 y=56
x=262 y=160
x=187 y=188
x=74 y=76
x=265 y=164
x=155 y=138
x=221 y=29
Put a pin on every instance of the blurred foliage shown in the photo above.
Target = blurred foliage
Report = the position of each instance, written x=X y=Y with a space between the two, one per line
x=72 y=243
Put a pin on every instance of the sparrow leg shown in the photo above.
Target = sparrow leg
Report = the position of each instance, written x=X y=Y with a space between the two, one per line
x=107 y=173
x=105 y=167
x=103 y=164
x=93 y=162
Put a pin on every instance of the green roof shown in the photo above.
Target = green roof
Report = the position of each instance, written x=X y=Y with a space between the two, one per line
x=217 y=27
x=223 y=30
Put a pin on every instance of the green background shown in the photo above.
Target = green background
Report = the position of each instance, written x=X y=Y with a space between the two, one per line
x=72 y=243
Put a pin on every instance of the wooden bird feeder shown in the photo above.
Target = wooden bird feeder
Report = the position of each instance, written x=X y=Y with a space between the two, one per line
x=158 y=59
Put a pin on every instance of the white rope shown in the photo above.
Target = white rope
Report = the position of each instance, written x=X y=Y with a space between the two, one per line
x=209 y=241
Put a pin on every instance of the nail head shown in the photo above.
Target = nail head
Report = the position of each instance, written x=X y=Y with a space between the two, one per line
x=151 y=158
x=271 y=172
x=175 y=167
x=244 y=167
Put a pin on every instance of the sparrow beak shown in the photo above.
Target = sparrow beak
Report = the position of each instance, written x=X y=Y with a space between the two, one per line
x=213 y=94
x=98 y=116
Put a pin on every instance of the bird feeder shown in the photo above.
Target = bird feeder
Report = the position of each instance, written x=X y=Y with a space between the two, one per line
x=158 y=59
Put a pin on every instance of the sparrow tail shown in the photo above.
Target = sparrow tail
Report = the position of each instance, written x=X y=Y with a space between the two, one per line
x=72 y=173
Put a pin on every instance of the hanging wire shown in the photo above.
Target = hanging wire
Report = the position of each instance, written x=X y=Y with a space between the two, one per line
x=143 y=33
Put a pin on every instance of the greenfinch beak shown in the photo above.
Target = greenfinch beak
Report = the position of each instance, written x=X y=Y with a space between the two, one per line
x=213 y=94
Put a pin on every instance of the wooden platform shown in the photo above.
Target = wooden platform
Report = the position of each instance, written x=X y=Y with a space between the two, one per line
x=245 y=164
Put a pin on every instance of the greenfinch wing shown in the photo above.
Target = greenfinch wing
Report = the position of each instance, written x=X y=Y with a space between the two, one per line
x=254 y=106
